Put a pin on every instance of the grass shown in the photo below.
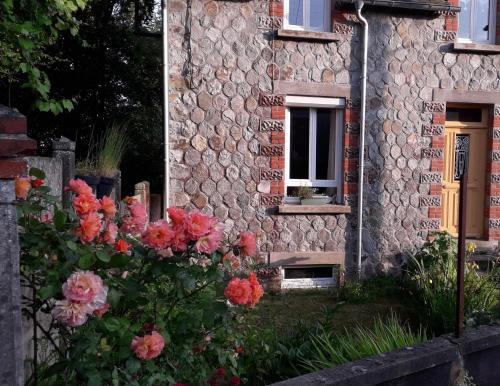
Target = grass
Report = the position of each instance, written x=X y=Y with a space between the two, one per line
x=330 y=349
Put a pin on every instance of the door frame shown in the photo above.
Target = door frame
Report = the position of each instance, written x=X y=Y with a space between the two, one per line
x=485 y=124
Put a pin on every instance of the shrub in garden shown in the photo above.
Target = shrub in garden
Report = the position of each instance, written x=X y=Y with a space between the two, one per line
x=432 y=276
x=130 y=302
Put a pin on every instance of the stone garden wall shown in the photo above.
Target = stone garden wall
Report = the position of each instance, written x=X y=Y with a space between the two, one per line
x=229 y=73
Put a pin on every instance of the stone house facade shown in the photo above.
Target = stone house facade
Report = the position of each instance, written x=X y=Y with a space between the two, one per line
x=248 y=78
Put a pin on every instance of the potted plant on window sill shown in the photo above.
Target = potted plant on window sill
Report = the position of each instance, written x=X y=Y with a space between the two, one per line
x=308 y=196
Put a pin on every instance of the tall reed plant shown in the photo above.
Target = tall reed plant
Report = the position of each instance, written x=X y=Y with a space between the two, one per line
x=111 y=150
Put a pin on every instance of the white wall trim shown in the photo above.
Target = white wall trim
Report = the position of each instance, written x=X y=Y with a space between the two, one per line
x=320 y=102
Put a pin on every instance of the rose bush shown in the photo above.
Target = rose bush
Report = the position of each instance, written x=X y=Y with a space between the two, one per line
x=131 y=302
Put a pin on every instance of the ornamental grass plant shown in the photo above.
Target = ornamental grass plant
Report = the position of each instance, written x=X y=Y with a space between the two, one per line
x=110 y=150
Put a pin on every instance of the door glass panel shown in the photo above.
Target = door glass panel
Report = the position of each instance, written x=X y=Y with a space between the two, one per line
x=325 y=145
x=455 y=114
x=295 y=12
x=316 y=13
x=464 y=19
x=299 y=143
x=481 y=20
x=462 y=142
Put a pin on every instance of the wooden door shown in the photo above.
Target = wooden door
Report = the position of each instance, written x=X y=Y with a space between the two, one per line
x=478 y=137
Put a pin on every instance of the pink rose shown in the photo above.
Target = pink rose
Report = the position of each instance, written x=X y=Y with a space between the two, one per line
x=110 y=233
x=210 y=243
x=179 y=241
x=71 y=313
x=148 y=346
x=78 y=186
x=248 y=246
x=108 y=207
x=198 y=225
x=158 y=235
x=178 y=216
x=135 y=222
x=85 y=287
x=99 y=312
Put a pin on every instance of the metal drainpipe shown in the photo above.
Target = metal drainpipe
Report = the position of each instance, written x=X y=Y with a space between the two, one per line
x=166 y=188
x=359 y=7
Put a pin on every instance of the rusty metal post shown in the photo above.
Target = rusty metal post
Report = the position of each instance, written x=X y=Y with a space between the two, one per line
x=462 y=220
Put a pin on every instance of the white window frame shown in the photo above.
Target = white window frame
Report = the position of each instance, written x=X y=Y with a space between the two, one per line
x=313 y=103
x=308 y=283
x=326 y=27
x=491 y=25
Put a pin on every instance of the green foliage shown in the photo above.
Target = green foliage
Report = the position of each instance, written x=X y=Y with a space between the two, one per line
x=111 y=150
x=371 y=290
x=331 y=349
x=184 y=301
x=27 y=28
x=432 y=275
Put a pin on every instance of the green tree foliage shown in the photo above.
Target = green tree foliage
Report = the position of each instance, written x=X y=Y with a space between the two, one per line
x=27 y=28
x=112 y=71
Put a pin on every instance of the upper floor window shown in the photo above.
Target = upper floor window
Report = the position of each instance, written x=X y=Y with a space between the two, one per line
x=313 y=145
x=477 y=21
x=307 y=15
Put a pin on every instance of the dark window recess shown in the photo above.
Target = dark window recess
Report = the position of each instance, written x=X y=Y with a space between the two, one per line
x=308 y=273
x=325 y=166
x=456 y=114
x=293 y=191
x=299 y=143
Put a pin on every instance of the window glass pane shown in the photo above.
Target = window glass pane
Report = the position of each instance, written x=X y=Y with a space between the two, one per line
x=316 y=13
x=481 y=20
x=325 y=145
x=308 y=272
x=455 y=114
x=299 y=143
x=295 y=12
x=464 y=19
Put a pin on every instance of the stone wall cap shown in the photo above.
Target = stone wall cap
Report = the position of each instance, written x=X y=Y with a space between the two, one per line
x=6 y=112
x=63 y=143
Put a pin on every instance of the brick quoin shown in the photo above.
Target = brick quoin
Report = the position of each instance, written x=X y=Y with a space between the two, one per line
x=278 y=138
x=276 y=9
x=437 y=142
x=434 y=213
x=277 y=162
x=351 y=140
x=437 y=165
x=350 y=188
x=436 y=189
x=451 y=23
x=277 y=187
x=438 y=118
x=351 y=116
x=278 y=112
x=350 y=165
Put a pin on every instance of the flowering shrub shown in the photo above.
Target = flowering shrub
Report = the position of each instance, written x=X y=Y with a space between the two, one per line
x=131 y=302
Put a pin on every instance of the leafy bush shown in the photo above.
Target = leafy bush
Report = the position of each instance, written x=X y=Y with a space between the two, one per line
x=432 y=276
x=331 y=349
x=371 y=289
x=129 y=302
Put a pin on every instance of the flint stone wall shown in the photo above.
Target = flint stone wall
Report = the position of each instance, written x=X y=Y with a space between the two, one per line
x=231 y=57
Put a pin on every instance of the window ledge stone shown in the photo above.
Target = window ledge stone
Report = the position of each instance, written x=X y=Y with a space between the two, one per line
x=477 y=47
x=308 y=35
x=313 y=209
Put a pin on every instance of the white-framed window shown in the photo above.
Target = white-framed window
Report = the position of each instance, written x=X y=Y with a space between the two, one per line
x=313 y=145
x=308 y=15
x=477 y=21
x=306 y=277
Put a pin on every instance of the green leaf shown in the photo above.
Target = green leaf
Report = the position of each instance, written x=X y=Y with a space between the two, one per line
x=133 y=365
x=112 y=324
x=86 y=261
x=38 y=173
x=67 y=104
x=47 y=292
x=59 y=219
x=114 y=297
x=103 y=256
x=71 y=245
x=25 y=44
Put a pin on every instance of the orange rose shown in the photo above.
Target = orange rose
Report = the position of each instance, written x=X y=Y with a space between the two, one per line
x=23 y=187
x=108 y=207
x=85 y=204
x=239 y=292
x=89 y=227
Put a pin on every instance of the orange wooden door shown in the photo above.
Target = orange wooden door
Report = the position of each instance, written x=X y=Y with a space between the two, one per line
x=476 y=181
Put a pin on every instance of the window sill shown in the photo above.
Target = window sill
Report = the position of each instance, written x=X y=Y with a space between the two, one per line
x=313 y=209
x=477 y=47
x=308 y=35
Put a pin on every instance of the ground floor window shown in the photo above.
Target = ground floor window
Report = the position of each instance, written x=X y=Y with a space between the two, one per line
x=313 y=145
x=308 y=277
